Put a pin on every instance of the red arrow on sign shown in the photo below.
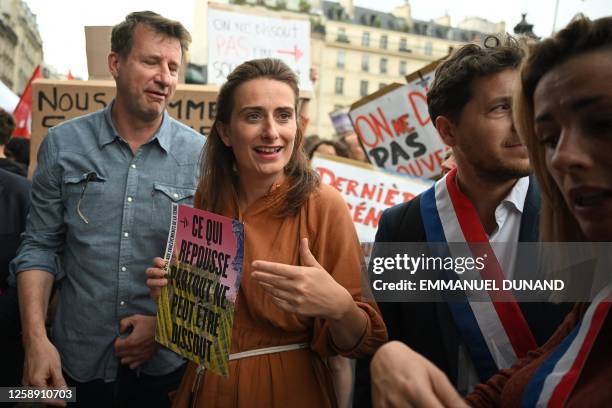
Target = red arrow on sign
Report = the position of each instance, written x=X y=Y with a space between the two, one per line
x=297 y=53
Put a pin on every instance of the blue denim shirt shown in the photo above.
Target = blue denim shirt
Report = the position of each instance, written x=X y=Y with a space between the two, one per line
x=100 y=264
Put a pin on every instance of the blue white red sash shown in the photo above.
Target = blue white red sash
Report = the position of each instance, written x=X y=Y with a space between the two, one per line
x=554 y=381
x=495 y=331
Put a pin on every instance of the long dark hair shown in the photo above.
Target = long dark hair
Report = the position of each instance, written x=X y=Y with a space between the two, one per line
x=218 y=187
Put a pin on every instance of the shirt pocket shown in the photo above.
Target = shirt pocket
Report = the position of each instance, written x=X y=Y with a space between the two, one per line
x=83 y=198
x=164 y=195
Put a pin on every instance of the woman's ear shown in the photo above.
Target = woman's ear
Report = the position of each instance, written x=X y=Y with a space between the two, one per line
x=223 y=134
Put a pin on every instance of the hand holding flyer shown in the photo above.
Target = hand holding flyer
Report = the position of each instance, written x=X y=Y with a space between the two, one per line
x=204 y=264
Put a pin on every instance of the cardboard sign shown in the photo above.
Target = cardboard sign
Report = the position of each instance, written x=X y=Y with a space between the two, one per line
x=234 y=38
x=204 y=257
x=367 y=190
x=395 y=129
x=56 y=101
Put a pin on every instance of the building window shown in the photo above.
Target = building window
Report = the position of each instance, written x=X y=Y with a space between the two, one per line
x=403 y=45
x=428 y=48
x=365 y=39
x=340 y=59
x=383 y=42
x=363 y=88
x=341 y=36
x=365 y=63
x=403 y=68
x=383 y=65
x=339 y=86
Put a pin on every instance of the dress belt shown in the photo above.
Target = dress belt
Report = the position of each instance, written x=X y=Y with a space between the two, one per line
x=243 y=354
x=268 y=350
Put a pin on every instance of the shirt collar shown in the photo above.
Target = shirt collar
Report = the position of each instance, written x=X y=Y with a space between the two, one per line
x=108 y=133
x=516 y=197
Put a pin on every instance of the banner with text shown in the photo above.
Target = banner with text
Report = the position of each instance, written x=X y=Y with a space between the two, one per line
x=234 y=38
x=55 y=101
x=395 y=129
x=196 y=309
x=367 y=191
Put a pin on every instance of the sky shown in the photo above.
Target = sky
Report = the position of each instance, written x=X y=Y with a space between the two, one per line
x=61 y=22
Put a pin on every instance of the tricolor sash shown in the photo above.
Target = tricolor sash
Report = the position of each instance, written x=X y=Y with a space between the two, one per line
x=494 y=331
x=554 y=381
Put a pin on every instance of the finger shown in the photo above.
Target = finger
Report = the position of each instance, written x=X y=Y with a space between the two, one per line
x=57 y=378
x=445 y=392
x=288 y=271
x=274 y=280
x=159 y=262
x=125 y=324
x=280 y=294
x=306 y=257
x=155 y=273
x=284 y=305
x=157 y=283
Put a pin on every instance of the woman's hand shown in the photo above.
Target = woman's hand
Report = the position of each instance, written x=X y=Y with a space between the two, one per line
x=156 y=277
x=402 y=377
x=307 y=290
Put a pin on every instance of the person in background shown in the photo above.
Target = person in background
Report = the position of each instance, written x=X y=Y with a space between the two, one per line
x=14 y=207
x=101 y=205
x=563 y=112
x=329 y=147
x=300 y=290
x=7 y=126
x=18 y=149
x=356 y=152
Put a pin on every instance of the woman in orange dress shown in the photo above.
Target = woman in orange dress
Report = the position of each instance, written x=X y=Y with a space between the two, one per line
x=300 y=292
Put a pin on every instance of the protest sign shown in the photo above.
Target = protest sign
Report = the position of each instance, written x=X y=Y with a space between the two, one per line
x=395 y=129
x=55 y=101
x=234 y=38
x=367 y=190
x=195 y=313
x=341 y=121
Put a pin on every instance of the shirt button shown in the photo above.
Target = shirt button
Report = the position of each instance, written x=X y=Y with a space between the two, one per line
x=175 y=195
x=123 y=269
x=122 y=303
x=130 y=199
x=126 y=234
x=133 y=166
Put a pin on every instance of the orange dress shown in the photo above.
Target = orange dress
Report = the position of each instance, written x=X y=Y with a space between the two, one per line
x=297 y=378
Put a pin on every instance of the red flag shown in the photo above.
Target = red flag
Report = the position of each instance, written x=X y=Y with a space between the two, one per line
x=23 y=111
x=69 y=76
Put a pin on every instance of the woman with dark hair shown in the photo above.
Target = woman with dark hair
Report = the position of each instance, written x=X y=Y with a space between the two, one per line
x=564 y=114
x=300 y=297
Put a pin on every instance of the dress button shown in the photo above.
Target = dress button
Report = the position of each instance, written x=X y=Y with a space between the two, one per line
x=130 y=199
x=125 y=234
x=175 y=195
x=133 y=166
x=122 y=303
x=123 y=269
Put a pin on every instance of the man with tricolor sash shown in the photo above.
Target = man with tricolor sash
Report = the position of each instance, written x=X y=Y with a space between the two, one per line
x=489 y=198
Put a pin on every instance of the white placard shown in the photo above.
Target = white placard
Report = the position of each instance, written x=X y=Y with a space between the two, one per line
x=234 y=38
x=395 y=129
x=367 y=191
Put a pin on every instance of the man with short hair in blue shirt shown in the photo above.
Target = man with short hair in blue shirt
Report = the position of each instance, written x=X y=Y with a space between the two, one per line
x=101 y=200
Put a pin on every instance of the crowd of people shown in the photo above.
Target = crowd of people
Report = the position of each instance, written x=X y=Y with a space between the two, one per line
x=531 y=138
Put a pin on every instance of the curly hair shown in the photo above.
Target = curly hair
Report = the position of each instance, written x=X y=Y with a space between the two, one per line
x=452 y=86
